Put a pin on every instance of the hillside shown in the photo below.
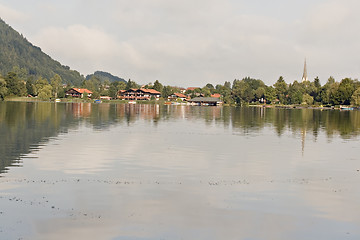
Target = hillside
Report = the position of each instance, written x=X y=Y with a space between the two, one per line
x=16 y=50
x=102 y=76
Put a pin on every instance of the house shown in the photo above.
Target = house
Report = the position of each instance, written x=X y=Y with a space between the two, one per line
x=78 y=92
x=175 y=96
x=205 y=101
x=139 y=94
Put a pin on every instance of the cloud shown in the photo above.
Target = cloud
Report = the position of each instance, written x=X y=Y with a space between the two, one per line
x=84 y=47
x=181 y=42
x=10 y=14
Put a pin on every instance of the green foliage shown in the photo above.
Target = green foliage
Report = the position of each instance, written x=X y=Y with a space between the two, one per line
x=167 y=91
x=3 y=89
x=307 y=99
x=93 y=84
x=281 y=89
x=210 y=86
x=14 y=85
x=158 y=86
x=270 y=94
x=94 y=95
x=30 y=87
x=296 y=92
x=45 y=92
x=355 y=98
x=56 y=85
x=131 y=84
x=345 y=91
x=248 y=90
x=27 y=59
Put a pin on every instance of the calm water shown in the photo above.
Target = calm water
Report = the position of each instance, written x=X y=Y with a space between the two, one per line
x=101 y=171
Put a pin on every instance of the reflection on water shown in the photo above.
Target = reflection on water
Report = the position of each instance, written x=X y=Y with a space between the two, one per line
x=119 y=171
x=23 y=126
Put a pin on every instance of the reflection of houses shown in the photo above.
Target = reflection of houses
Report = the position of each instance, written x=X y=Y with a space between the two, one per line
x=77 y=92
x=139 y=94
x=205 y=101
x=175 y=96
x=80 y=109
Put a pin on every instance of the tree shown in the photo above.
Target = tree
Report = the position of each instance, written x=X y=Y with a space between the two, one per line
x=167 y=91
x=158 y=86
x=281 y=89
x=260 y=93
x=296 y=92
x=14 y=85
x=307 y=99
x=30 y=87
x=40 y=83
x=131 y=84
x=3 y=89
x=355 y=98
x=345 y=91
x=270 y=95
x=327 y=91
x=56 y=85
x=210 y=86
x=93 y=84
x=242 y=92
x=45 y=92
x=206 y=91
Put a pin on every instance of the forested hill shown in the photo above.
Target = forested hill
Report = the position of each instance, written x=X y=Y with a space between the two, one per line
x=17 y=51
x=102 y=76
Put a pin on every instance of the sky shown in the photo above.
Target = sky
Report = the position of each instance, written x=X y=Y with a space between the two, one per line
x=192 y=43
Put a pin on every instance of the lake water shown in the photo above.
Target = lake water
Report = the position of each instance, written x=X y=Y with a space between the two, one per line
x=107 y=171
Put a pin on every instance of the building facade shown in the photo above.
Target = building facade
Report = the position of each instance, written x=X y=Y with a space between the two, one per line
x=78 y=92
x=139 y=94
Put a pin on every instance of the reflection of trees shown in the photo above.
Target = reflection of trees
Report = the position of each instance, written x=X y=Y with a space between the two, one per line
x=23 y=126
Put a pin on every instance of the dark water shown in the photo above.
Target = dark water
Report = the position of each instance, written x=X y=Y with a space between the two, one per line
x=101 y=171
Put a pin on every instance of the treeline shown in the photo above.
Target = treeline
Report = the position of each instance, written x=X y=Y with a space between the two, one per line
x=19 y=83
x=249 y=90
x=240 y=92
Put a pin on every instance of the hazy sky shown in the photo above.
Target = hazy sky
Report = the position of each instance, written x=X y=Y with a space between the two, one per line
x=191 y=43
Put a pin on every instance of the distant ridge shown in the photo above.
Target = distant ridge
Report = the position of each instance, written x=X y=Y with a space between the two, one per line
x=16 y=50
x=102 y=76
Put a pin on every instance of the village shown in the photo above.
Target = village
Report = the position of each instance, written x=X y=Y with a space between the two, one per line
x=134 y=95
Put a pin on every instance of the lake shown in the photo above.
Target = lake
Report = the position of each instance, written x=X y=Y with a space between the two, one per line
x=120 y=171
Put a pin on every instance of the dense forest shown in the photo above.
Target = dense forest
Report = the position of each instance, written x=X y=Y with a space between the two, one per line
x=18 y=51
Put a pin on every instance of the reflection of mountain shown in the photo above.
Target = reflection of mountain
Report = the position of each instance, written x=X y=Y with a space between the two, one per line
x=23 y=126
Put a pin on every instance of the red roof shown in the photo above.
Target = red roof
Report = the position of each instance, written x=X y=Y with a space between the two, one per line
x=216 y=95
x=180 y=95
x=82 y=90
x=153 y=91
x=191 y=88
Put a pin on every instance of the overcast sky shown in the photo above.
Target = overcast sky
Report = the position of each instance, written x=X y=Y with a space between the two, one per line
x=194 y=42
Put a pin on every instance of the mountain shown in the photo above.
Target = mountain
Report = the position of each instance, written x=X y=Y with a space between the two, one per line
x=102 y=76
x=16 y=50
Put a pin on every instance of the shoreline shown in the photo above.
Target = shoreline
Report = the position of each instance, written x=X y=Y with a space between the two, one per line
x=161 y=102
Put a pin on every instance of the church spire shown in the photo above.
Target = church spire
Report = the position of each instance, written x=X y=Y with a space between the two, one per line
x=305 y=77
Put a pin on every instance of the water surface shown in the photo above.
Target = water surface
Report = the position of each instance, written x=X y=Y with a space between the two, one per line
x=107 y=171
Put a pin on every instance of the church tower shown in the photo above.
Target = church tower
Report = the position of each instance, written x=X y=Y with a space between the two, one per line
x=305 y=77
